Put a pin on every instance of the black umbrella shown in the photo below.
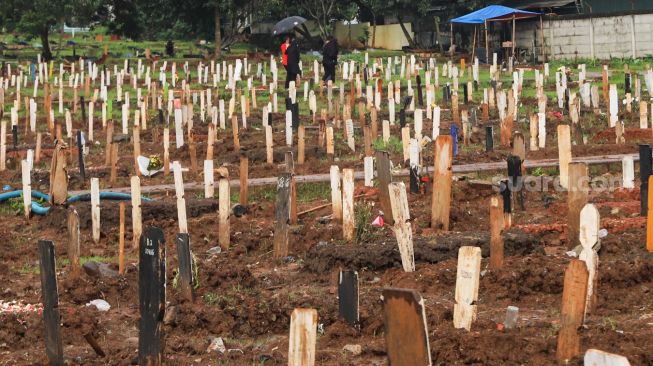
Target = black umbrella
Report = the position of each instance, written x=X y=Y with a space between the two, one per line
x=287 y=24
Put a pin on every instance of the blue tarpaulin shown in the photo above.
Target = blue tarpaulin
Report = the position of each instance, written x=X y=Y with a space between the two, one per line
x=493 y=12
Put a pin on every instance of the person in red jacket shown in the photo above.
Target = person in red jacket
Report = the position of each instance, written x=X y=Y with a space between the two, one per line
x=284 y=56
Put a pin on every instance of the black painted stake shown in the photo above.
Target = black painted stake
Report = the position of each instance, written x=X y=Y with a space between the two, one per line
x=514 y=172
x=414 y=179
x=489 y=138
x=506 y=194
x=420 y=96
x=348 y=297
x=14 y=136
x=50 y=298
x=185 y=266
x=152 y=297
x=80 y=151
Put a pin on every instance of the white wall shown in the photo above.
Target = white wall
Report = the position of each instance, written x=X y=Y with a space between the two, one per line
x=598 y=37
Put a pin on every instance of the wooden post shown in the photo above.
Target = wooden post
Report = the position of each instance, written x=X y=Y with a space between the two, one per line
x=496 y=227
x=27 y=187
x=109 y=144
x=181 y=200
x=329 y=143
x=402 y=226
x=95 y=208
x=50 y=300
x=208 y=179
x=268 y=145
x=336 y=193
x=73 y=243
x=224 y=209
x=442 y=175
x=243 y=176
x=384 y=176
x=628 y=172
x=234 y=128
x=282 y=215
x=406 y=336
x=574 y=296
x=152 y=297
x=594 y=357
x=137 y=220
x=589 y=237
x=467 y=282
x=121 y=240
x=166 y=151
x=348 y=222
x=58 y=175
x=578 y=193
x=300 y=144
x=185 y=266
x=37 y=153
x=348 y=297
x=137 y=149
x=114 y=164
x=303 y=336
x=564 y=154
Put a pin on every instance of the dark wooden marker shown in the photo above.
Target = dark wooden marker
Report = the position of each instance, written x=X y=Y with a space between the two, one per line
x=152 y=297
x=50 y=299
x=348 y=297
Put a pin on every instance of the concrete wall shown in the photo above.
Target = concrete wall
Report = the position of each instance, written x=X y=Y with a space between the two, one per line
x=589 y=37
x=389 y=37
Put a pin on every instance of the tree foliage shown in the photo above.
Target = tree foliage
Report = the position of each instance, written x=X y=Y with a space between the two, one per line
x=37 y=18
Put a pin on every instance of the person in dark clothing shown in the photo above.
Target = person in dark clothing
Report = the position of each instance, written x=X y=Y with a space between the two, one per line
x=292 y=52
x=330 y=59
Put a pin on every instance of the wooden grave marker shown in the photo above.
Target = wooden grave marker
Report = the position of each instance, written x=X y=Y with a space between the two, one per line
x=121 y=240
x=137 y=218
x=152 y=297
x=402 y=226
x=441 y=199
x=467 y=282
x=50 y=300
x=590 y=220
x=348 y=297
x=406 y=334
x=95 y=208
x=348 y=220
x=224 y=208
x=73 y=242
x=336 y=193
x=574 y=296
x=303 y=337
x=577 y=198
x=496 y=228
x=282 y=215
x=184 y=257
x=595 y=357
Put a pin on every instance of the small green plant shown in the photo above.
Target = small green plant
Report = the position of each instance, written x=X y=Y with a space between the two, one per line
x=394 y=145
x=610 y=323
x=211 y=298
x=553 y=330
x=537 y=172
x=363 y=217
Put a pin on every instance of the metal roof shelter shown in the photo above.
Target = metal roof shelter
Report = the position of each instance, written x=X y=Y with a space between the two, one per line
x=493 y=13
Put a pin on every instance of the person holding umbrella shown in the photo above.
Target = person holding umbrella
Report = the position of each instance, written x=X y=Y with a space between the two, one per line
x=292 y=68
x=284 y=56
x=330 y=59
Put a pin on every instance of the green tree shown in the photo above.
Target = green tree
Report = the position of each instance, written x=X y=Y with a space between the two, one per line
x=37 y=17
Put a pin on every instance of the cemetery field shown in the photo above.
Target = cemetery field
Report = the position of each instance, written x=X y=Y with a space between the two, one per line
x=249 y=207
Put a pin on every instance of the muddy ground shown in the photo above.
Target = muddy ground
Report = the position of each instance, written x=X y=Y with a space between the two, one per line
x=246 y=297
